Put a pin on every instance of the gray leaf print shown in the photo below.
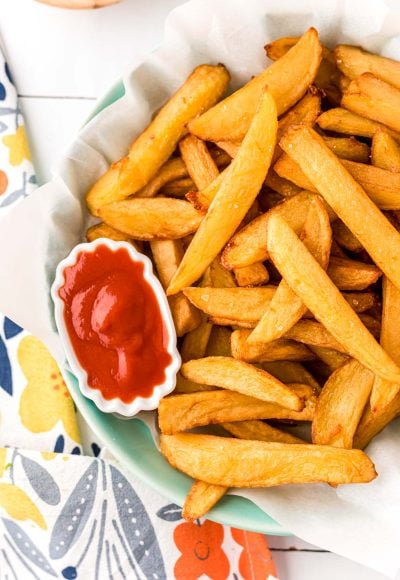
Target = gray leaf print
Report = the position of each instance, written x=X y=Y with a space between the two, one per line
x=27 y=547
x=137 y=527
x=7 y=111
x=13 y=197
x=41 y=481
x=3 y=127
x=75 y=513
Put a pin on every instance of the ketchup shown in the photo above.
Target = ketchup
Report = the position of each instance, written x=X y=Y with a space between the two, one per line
x=115 y=324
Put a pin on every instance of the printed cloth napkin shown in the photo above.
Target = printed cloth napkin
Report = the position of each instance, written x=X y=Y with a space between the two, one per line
x=67 y=508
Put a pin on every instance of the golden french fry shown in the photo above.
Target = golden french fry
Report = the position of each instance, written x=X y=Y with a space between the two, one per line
x=260 y=431
x=281 y=349
x=241 y=463
x=219 y=343
x=341 y=404
x=373 y=423
x=195 y=342
x=286 y=308
x=172 y=170
x=183 y=412
x=201 y=498
x=200 y=165
x=336 y=250
x=234 y=323
x=234 y=198
x=345 y=237
x=311 y=283
x=313 y=333
x=360 y=301
x=383 y=392
x=104 y=231
x=353 y=61
x=152 y=218
x=341 y=120
x=184 y=386
x=252 y=275
x=177 y=188
x=282 y=186
x=280 y=46
x=375 y=99
x=333 y=359
x=157 y=142
x=288 y=79
x=291 y=372
x=220 y=276
x=385 y=151
x=348 y=148
x=236 y=375
x=352 y=275
x=346 y=198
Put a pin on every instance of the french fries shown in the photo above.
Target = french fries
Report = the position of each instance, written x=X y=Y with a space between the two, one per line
x=281 y=349
x=261 y=464
x=345 y=238
x=104 y=231
x=332 y=358
x=291 y=372
x=341 y=120
x=195 y=342
x=201 y=498
x=353 y=61
x=235 y=195
x=351 y=274
x=373 y=423
x=252 y=275
x=184 y=386
x=341 y=404
x=348 y=148
x=287 y=79
x=236 y=375
x=260 y=431
x=385 y=151
x=154 y=146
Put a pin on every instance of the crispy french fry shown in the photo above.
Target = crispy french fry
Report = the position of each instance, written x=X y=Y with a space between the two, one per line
x=281 y=349
x=220 y=276
x=252 y=275
x=260 y=431
x=373 y=423
x=345 y=237
x=236 y=375
x=353 y=61
x=286 y=308
x=341 y=120
x=352 y=275
x=157 y=142
x=313 y=333
x=375 y=99
x=333 y=359
x=341 y=404
x=200 y=165
x=241 y=463
x=385 y=152
x=282 y=186
x=234 y=323
x=235 y=196
x=177 y=188
x=152 y=218
x=348 y=148
x=361 y=301
x=172 y=170
x=219 y=343
x=288 y=79
x=311 y=283
x=195 y=342
x=104 y=231
x=336 y=250
x=291 y=372
x=346 y=198
x=201 y=498
x=183 y=412
x=184 y=386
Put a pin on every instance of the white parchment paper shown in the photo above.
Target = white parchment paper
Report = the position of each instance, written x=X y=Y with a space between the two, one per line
x=361 y=522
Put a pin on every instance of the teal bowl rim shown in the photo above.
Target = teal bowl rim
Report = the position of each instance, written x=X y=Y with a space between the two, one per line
x=151 y=468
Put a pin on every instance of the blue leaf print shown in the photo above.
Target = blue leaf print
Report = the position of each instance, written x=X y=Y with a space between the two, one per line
x=96 y=449
x=170 y=513
x=59 y=446
x=3 y=127
x=27 y=547
x=137 y=527
x=13 y=197
x=8 y=111
x=5 y=369
x=32 y=179
x=75 y=513
x=10 y=328
x=41 y=481
x=76 y=451
x=3 y=92
x=8 y=73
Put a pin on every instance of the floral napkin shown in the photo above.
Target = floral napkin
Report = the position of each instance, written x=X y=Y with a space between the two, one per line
x=67 y=508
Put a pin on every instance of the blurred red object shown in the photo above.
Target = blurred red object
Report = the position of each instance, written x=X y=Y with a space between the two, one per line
x=80 y=4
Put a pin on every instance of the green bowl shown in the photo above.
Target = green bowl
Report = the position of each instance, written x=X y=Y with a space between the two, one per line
x=130 y=441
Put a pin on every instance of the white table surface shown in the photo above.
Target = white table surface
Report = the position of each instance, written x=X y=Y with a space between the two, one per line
x=61 y=62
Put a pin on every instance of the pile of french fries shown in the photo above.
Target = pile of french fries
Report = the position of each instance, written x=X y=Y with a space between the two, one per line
x=272 y=216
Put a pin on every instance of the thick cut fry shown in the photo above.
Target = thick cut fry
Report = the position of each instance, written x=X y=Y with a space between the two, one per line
x=167 y=255
x=341 y=404
x=220 y=276
x=154 y=218
x=252 y=275
x=311 y=283
x=345 y=237
x=236 y=375
x=333 y=359
x=348 y=148
x=172 y=170
x=281 y=349
x=361 y=301
x=183 y=412
x=157 y=142
x=291 y=372
x=346 y=198
x=285 y=308
x=219 y=343
x=177 y=188
x=341 y=120
x=373 y=98
x=288 y=79
x=260 y=431
x=240 y=463
x=195 y=342
x=105 y=231
x=383 y=187
x=349 y=274
x=234 y=198
x=313 y=333
x=373 y=423
x=385 y=152
x=200 y=165
x=353 y=61
x=201 y=498
x=384 y=392
x=184 y=386
x=282 y=186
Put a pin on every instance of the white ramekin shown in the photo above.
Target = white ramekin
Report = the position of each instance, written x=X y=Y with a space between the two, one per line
x=115 y=405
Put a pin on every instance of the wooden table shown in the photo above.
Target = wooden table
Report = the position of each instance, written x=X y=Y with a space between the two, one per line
x=62 y=61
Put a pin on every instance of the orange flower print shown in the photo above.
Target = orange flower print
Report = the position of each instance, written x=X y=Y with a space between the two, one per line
x=255 y=562
x=201 y=549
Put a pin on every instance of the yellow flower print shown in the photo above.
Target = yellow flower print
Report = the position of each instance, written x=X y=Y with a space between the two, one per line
x=45 y=399
x=18 y=505
x=18 y=146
